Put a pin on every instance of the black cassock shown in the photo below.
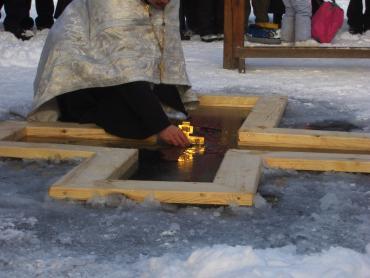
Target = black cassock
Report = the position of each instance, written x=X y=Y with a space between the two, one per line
x=131 y=110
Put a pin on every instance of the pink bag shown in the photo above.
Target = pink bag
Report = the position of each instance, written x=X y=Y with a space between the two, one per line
x=327 y=21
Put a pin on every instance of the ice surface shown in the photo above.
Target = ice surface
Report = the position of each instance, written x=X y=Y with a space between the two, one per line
x=321 y=215
x=304 y=225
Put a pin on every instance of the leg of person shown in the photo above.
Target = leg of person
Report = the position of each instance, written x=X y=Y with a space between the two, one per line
x=79 y=106
x=315 y=5
x=183 y=25
x=220 y=19
x=131 y=110
x=247 y=13
x=287 y=24
x=355 y=16
x=45 y=12
x=16 y=11
x=303 y=10
x=190 y=10
x=260 y=10
x=277 y=8
x=207 y=20
x=27 y=22
x=367 y=16
x=61 y=5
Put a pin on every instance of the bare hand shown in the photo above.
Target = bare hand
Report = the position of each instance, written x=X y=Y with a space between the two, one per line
x=159 y=4
x=174 y=136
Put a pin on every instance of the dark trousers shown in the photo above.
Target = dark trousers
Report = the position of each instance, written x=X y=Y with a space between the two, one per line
x=356 y=17
x=16 y=12
x=1 y=6
x=61 y=5
x=260 y=10
x=17 y=15
x=130 y=110
x=45 y=13
x=188 y=15
x=210 y=17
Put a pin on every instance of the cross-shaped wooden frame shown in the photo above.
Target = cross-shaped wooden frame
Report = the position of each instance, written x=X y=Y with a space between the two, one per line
x=235 y=182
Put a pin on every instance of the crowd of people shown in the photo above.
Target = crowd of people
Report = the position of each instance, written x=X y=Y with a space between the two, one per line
x=203 y=17
x=18 y=20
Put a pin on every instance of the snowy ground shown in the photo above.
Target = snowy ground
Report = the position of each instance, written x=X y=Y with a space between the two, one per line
x=313 y=225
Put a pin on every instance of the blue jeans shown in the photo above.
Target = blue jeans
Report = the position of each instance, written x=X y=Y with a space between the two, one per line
x=296 y=24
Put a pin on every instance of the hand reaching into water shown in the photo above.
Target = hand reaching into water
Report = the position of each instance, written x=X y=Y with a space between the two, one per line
x=174 y=136
x=159 y=4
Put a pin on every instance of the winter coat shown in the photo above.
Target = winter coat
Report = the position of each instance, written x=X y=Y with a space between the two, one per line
x=99 y=43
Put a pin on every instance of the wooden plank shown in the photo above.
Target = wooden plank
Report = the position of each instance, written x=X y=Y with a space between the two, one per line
x=11 y=130
x=238 y=7
x=229 y=60
x=318 y=162
x=77 y=131
x=240 y=170
x=43 y=151
x=301 y=52
x=228 y=101
x=301 y=139
x=105 y=164
x=165 y=192
x=266 y=113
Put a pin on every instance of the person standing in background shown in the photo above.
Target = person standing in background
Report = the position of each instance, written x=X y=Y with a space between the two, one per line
x=296 y=24
x=210 y=19
x=260 y=10
x=358 y=21
x=16 y=19
x=187 y=16
x=45 y=15
x=1 y=6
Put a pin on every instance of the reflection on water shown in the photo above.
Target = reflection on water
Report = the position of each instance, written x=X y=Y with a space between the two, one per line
x=218 y=126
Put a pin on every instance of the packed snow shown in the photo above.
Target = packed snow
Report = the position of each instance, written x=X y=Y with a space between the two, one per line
x=303 y=224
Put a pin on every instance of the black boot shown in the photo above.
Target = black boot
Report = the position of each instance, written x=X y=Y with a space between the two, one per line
x=356 y=30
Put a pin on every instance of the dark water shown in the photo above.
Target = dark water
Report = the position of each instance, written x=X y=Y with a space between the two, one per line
x=219 y=127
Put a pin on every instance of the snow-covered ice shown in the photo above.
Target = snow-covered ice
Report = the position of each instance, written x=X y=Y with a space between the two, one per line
x=304 y=224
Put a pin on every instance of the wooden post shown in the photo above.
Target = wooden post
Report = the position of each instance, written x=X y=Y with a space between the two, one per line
x=234 y=22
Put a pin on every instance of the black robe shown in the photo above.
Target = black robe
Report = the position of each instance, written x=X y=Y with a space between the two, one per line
x=131 y=110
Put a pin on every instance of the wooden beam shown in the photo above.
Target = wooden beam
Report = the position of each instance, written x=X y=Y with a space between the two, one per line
x=240 y=170
x=11 y=130
x=232 y=184
x=301 y=52
x=267 y=113
x=43 y=151
x=79 y=132
x=164 y=192
x=318 y=162
x=228 y=101
x=230 y=62
x=309 y=140
x=238 y=31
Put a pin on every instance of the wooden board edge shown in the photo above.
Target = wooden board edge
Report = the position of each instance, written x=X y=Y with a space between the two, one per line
x=37 y=151
x=318 y=165
x=267 y=113
x=228 y=101
x=240 y=170
x=139 y=195
x=12 y=130
x=312 y=140
x=78 y=132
